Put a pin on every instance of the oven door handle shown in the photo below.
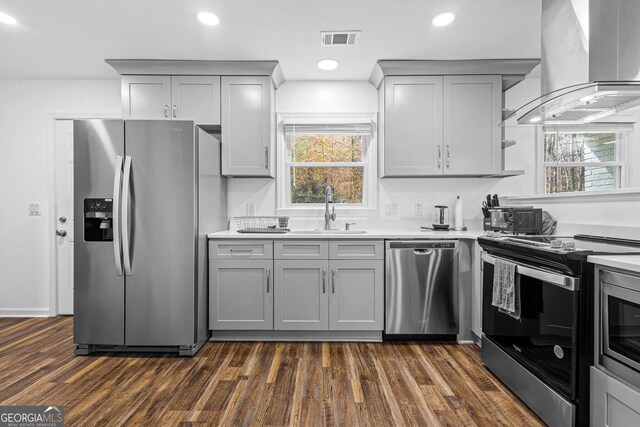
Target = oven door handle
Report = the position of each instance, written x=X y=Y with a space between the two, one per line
x=560 y=280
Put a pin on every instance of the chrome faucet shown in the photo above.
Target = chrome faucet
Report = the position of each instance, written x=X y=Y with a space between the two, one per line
x=328 y=198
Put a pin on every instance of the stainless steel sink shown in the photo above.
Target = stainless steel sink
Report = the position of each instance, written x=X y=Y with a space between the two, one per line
x=321 y=231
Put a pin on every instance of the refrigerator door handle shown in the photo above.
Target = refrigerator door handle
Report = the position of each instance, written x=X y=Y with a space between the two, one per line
x=126 y=186
x=117 y=190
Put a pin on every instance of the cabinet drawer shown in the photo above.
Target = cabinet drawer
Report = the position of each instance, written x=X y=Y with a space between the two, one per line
x=301 y=249
x=241 y=249
x=356 y=249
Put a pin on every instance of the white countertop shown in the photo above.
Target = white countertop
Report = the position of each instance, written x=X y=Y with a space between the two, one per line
x=623 y=262
x=370 y=234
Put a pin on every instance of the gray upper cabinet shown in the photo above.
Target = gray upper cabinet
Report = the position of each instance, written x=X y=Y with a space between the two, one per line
x=440 y=125
x=248 y=126
x=146 y=97
x=240 y=294
x=300 y=295
x=194 y=98
x=412 y=125
x=357 y=295
x=472 y=114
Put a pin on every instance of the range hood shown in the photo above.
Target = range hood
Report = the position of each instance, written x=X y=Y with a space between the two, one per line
x=590 y=62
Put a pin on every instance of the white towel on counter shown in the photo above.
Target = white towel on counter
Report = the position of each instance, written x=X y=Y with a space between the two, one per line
x=506 y=288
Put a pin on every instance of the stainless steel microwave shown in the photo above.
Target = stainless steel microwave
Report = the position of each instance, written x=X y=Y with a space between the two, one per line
x=619 y=318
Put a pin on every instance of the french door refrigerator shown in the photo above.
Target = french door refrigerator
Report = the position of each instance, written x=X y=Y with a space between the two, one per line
x=146 y=193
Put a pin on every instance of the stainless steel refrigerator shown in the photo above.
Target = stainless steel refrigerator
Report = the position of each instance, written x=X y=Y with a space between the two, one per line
x=146 y=193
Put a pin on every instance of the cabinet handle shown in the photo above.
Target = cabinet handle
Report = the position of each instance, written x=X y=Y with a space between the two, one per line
x=324 y=280
x=268 y=278
x=333 y=280
x=166 y=111
x=439 y=157
x=241 y=251
x=266 y=157
x=175 y=113
x=448 y=156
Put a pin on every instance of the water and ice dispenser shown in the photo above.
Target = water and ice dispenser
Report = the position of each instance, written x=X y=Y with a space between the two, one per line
x=98 y=220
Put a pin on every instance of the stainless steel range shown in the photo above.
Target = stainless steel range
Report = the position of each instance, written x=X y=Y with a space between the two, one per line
x=545 y=353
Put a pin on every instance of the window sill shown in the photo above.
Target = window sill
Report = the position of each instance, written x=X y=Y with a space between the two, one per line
x=624 y=194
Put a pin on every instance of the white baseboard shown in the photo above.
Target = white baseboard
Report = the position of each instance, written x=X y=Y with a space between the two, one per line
x=24 y=312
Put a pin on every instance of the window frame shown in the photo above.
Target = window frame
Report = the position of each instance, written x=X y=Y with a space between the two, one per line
x=369 y=163
x=624 y=134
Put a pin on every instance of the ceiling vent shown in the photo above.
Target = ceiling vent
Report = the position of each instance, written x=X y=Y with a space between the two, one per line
x=339 y=38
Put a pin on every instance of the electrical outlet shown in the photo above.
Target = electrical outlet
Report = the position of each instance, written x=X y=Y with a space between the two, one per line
x=34 y=209
x=418 y=209
x=250 y=209
x=391 y=209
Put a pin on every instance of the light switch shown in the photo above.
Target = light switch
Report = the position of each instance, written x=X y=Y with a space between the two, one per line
x=250 y=209
x=34 y=209
x=418 y=209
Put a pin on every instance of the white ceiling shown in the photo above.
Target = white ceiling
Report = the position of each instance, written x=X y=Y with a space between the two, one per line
x=71 y=38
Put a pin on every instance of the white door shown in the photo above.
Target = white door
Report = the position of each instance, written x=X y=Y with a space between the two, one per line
x=64 y=215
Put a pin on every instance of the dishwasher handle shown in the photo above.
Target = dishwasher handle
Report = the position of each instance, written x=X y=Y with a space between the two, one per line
x=422 y=251
x=422 y=244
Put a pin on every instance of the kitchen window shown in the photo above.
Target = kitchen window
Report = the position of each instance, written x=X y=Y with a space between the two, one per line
x=582 y=161
x=319 y=154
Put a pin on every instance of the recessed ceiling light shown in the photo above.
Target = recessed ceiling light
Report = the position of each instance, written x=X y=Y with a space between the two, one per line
x=535 y=119
x=208 y=18
x=328 y=64
x=443 y=19
x=6 y=19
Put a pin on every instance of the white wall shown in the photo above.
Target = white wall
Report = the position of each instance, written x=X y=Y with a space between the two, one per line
x=361 y=97
x=26 y=144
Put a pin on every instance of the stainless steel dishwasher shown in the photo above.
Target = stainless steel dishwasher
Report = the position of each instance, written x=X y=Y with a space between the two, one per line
x=421 y=287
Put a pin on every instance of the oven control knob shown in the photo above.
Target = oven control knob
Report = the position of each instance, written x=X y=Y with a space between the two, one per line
x=569 y=246
x=556 y=244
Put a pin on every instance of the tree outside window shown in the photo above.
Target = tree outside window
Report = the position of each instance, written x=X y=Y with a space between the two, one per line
x=581 y=161
x=317 y=158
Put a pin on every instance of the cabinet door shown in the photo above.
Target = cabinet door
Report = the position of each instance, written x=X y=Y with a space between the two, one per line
x=146 y=97
x=240 y=295
x=613 y=403
x=300 y=292
x=413 y=126
x=357 y=295
x=472 y=136
x=248 y=126
x=196 y=98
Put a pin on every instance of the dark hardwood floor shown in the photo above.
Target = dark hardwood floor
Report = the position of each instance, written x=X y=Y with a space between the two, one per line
x=275 y=384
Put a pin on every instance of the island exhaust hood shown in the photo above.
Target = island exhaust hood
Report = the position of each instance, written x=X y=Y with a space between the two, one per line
x=590 y=62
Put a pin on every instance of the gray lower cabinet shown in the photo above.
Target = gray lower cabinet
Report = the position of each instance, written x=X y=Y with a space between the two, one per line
x=300 y=295
x=294 y=285
x=342 y=293
x=613 y=403
x=357 y=295
x=241 y=294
